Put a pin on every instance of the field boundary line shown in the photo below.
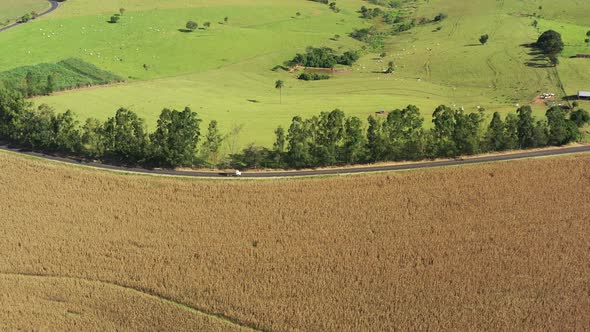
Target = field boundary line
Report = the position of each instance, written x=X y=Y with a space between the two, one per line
x=195 y=310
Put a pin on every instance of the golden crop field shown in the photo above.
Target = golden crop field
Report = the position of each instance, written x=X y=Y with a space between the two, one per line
x=502 y=246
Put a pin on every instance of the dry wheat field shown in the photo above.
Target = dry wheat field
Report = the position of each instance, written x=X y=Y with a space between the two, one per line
x=502 y=246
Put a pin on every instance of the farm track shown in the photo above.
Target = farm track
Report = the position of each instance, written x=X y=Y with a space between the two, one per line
x=54 y=6
x=303 y=173
x=138 y=291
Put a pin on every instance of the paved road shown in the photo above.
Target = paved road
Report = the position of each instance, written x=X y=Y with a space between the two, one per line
x=334 y=171
x=54 y=6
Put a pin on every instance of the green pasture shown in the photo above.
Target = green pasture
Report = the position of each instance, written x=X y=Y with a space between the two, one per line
x=10 y=10
x=225 y=73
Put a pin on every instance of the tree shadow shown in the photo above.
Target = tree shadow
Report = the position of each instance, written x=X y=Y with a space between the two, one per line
x=570 y=98
x=472 y=45
x=185 y=30
x=538 y=58
x=537 y=64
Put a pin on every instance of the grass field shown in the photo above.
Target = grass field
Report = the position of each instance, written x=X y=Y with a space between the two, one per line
x=490 y=247
x=10 y=10
x=224 y=72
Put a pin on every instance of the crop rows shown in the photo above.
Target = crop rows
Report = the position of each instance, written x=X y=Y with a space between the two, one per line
x=494 y=247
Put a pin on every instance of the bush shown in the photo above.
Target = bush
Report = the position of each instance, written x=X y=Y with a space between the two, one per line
x=313 y=77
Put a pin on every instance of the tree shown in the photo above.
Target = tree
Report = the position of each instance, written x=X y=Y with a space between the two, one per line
x=467 y=133
x=393 y=132
x=207 y=25
x=67 y=133
x=484 y=39
x=25 y=18
x=561 y=130
x=354 y=141
x=511 y=132
x=278 y=147
x=212 y=143
x=298 y=147
x=175 y=140
x=12 y=105
x=444 y=120
x=588 y=34
x=413 y=133
x=541 y=134
x=115 y=18
x=92 y=138
x=580 y=117
x=192 y=25
x=329 y=134
x=226 y=19
x=122 y=11
x=495 y=140
x=35 y=128
x=251 y=157
x=390 y=68
x=376 y=147
x=279 y=84
x=550 y=42
x=526 y=127
x=125 y=137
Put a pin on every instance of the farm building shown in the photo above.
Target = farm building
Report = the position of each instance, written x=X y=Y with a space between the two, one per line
x=583 y=94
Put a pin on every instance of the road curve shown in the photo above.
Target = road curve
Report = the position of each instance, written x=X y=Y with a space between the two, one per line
x=54 y=6
x=301 y=173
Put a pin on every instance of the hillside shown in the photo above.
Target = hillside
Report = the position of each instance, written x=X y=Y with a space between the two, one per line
x=500 y=246
x=224 y=72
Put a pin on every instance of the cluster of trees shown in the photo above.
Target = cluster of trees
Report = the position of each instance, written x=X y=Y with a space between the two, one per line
x=396 y=19
x=369 y=13
x=117 y=17
x=27 y=17
x=364 y=34
x=329 y=139
x=323 y=57
x=334 y=139
x=122 y=138
x=192 y=25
